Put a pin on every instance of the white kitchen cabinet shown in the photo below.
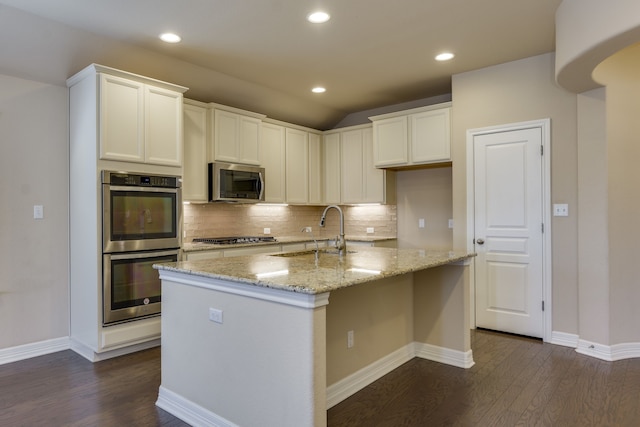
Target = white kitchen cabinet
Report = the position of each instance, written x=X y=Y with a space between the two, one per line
x=331 y=168
x=297 y=166
x=194 y=173
x=236 y=136
x=361 y=181
x=272 y=159
x=117 y=121
x=413 y=137
x=315 y=169
x=139 y=122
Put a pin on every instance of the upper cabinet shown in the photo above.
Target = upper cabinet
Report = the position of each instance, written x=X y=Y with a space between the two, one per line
x=272 y=159
x=350 y=175
x=196 y=137
x=138 y=121
x=236 y=135
x=297 y=165
x=413 y=137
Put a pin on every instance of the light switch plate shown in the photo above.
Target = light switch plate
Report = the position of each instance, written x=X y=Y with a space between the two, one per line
x=38 y=212
x=421 y=223
x=560 y=209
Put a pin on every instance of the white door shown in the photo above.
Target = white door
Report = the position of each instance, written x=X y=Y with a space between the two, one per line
x=508 y=231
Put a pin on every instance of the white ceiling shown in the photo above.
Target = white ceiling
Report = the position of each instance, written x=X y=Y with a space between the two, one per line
x=262 y=55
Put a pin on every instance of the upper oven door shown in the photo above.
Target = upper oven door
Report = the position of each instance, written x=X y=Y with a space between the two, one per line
x=140 y=218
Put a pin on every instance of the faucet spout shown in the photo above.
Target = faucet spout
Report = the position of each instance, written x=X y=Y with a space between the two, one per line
x=341 y=244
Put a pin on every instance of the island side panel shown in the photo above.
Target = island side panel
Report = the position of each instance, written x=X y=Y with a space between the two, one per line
x=264 y=365
x=441 y=309
x=380 y=313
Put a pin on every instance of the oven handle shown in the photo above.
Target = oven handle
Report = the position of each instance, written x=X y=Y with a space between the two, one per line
x=136 y=255
x=143 y=189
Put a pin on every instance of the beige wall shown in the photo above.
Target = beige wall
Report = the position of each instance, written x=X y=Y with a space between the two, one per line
x=424 y=193
x=621 y=75
x=229 y=219
x=514 y=92
x=33 y=171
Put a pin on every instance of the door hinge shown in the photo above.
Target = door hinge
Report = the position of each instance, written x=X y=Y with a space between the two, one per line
x=542 y=227
x=542 y=150
x=542 y=305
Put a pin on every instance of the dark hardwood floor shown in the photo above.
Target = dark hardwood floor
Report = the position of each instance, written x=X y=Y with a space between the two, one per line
x=515 y=382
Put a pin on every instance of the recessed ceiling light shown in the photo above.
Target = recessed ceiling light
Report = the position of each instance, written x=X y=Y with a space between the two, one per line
x=318 y=89
x=318 y=17
x=445 y=56
x=170 y=38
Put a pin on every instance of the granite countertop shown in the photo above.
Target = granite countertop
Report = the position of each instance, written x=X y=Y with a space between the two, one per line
x=193 y=247
x=303 y=274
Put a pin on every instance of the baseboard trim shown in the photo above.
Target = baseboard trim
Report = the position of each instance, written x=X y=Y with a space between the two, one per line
x=564 y=339
x=444 y=355
x=27 y=351
x=91 y=355
x=188 y=411
x=355 y=382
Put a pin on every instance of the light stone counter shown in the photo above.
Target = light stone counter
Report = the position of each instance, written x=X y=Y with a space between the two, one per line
x=193 y=247
x=301 y=272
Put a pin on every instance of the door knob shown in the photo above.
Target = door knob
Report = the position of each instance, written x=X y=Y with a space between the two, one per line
x=480 y=242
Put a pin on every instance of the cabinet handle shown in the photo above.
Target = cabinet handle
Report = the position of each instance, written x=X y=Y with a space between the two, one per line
x=480 y=242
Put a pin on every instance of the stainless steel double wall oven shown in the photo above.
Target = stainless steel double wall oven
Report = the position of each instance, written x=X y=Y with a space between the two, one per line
x=141 y=220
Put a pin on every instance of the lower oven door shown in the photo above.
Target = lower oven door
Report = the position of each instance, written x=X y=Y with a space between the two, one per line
x=131 y=286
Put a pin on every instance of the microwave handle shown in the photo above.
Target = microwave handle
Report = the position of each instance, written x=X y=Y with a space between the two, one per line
x=261 y=186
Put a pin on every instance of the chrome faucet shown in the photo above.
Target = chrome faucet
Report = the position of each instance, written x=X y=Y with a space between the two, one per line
x=308 y=230
x=341 y=245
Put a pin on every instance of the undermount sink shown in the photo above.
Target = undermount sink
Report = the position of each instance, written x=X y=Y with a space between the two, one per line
x=311 y=251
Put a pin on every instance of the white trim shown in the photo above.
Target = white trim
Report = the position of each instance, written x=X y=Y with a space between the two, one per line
x=91 y=355
x=447 y=356
x=610 y=353
x=355 y=382
x=564 y=339
x=188 y=411
x=547 y=285
x=296 y=299
x=27 y=351
x=339 y=391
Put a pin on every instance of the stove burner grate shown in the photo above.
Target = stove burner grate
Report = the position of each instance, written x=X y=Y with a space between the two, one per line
x=234 y=240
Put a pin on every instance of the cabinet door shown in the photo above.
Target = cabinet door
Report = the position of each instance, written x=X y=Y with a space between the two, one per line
x=315 y=169
x=352 y=166
x=121 y=119
x=373 y=178
x=248 y=143
x=194 y=173
x=297 y=167
x=332 y=168
x=163 y=127
x=272 y=157
x=431 y=136
x=390 y=142
x=225 y=136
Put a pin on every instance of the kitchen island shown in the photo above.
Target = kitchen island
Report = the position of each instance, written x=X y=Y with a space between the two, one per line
x=277 y=339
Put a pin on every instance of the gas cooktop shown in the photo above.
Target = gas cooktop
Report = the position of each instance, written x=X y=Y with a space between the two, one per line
x=234 y=240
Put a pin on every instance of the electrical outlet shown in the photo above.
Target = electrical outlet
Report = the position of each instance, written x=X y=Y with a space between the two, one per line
x=215 y=315
x=450 y=223
x=560 y=209
x=308 y=229
x=370 y=230
x=349 y=339
x=421 y=223
x=267 y=231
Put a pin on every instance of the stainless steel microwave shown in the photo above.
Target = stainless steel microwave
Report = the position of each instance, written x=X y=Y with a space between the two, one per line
x=229 y=182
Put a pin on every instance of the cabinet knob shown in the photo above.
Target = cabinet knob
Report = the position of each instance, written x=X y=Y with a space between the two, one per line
x=480 y=242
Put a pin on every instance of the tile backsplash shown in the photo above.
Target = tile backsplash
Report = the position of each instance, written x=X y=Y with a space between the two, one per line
x=231 y=219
